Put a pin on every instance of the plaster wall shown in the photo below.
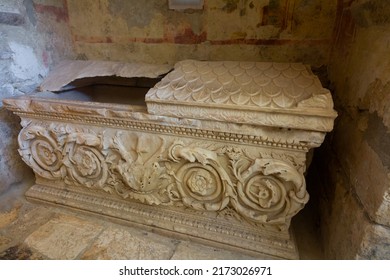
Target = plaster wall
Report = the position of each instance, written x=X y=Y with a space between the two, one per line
x=148 y=31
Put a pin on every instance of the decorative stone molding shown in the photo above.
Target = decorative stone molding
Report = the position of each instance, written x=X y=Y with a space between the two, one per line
x=166 y=170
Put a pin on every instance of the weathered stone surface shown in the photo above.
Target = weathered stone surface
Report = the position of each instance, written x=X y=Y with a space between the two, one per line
x=364 y=159
x=180 y=5
x=12 y=169
x=261 y=93
x=4 y=241
x=354 y=77
x=63 y=237
x=30 y=217
x=24 y=54
x=171 y=53
x=193 y=251
x=7 y=217
x=341 y=240
x=377 y=101
x=10 y=18
x=20 y=252
x=117 y=243
x=246 y=189
x=249 y=30
x=359 y=73
x=376 y=243
x=371 y=12
x=356 y=236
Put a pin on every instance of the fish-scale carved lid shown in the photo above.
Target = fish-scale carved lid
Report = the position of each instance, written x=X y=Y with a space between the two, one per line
x=235 y=91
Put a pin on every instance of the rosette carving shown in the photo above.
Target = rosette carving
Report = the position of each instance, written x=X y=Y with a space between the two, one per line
x=201 y=182
x=269 y=191
x=158 y=170
x=84 y=161
x=41 y=150
x=135 y=161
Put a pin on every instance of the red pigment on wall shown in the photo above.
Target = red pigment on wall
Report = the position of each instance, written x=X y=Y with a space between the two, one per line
x=45 y=59
x=189 y=37
x=61 y=14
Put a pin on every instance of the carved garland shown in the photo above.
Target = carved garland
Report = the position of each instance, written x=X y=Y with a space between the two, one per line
x=263 y=190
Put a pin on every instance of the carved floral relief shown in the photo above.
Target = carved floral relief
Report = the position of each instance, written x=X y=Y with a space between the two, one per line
x=162 y=170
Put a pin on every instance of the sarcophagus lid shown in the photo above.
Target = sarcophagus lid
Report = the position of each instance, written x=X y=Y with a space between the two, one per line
x=284 y=95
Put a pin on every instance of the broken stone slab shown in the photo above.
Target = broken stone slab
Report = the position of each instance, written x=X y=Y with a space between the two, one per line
x=72 y=70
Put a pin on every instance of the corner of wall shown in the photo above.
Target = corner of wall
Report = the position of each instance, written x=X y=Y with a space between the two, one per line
x=355 y=197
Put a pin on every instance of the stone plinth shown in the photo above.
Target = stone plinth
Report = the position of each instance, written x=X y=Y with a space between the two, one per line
x=218 y=153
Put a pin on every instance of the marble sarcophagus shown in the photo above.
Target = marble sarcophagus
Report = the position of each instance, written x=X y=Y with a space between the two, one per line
x=214 y=151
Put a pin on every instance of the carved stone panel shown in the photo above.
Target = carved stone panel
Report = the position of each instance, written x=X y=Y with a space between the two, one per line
x=218 y=154
x=262 y=187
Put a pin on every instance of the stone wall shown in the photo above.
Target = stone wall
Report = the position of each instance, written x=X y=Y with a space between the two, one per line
x=261 y=30
x=356 y=198
x=33 y=37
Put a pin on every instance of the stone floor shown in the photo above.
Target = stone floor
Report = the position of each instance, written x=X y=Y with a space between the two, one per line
x=34 y=231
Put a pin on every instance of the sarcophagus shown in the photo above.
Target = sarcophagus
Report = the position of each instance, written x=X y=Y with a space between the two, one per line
x=214 y=151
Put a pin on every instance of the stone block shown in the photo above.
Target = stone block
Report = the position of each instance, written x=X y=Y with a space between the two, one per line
x=375 y=243
x=117 y=243
x=7 y=217
x=63 y=237
x=20 y=252
x=30 y=217
x=366 y=161
x=347 y=231
x=192 y=251
x=372 y=185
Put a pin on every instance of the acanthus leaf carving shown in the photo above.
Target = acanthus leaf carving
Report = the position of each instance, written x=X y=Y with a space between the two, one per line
x=269 y=191
x=263 y=188
x=178 y=151
x=138 y=171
